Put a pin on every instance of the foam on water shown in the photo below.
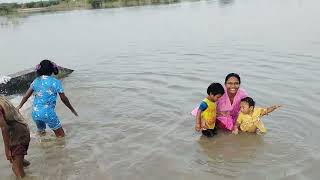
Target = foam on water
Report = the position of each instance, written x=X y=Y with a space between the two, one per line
x=4 y=79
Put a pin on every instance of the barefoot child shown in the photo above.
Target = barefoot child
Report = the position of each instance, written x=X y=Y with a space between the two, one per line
x=206 y=113
x=45 y=89
x=16 y=136
x=249 y=117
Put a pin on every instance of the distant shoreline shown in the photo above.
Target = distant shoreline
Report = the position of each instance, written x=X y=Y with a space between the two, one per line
x=68 y=5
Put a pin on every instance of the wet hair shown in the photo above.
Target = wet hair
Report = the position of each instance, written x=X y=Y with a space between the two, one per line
x=232 y=75
x=248 y=100
x=215 y=88
x=46 y=67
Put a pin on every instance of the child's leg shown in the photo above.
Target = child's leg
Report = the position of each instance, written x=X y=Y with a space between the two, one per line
x=215 y=131
x=209 y=132
x=260 y=127
x=41 y=126
x=41 y=133
x=59 y=132
x=55 y=125
x=206 y=133
x=17 y=166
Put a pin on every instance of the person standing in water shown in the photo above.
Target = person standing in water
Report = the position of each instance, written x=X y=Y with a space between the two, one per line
x=206 y=112
x=16 y=136
x=45 y=89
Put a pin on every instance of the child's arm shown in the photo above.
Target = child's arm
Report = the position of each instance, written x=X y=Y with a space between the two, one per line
x=66 y=102
x=198 y=120
x=25 y=98
x=5 y=135
x=235 y=129
x=270 y=109
x=200 y=124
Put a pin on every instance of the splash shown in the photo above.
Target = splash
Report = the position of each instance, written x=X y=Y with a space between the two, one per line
x=4 y=79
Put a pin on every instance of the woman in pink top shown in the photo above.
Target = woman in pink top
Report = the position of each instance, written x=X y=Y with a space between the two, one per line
x=228 y=106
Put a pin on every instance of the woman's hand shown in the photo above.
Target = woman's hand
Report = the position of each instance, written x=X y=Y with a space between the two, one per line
x=224 y=113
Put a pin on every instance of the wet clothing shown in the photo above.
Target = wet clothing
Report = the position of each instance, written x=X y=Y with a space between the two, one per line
x=47 y=117
x=19 y=133
x=224 y=105
x=250 y=123
x=19 y=150
x=10 y=112
x=46 y=89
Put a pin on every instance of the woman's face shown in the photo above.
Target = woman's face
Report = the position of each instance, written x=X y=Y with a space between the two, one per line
x=232 y=85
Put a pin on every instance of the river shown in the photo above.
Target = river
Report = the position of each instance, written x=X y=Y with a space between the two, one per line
x=139 y=72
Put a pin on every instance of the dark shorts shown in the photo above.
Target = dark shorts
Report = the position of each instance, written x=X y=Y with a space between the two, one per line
x=19 y=150
x=210 y=132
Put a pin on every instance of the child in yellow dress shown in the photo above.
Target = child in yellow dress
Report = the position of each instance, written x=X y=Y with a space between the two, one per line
x=249 y=117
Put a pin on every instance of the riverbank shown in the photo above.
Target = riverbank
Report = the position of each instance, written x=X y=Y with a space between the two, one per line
x=67 y=5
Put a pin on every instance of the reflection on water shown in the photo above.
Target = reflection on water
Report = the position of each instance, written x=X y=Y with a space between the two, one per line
x=5 y=22
x=223 y=154
x=226 y=2
x=140 y=71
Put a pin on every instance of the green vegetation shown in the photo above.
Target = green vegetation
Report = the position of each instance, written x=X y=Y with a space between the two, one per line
x=8 y=8
x=95 y=4
x=123 y=3
x=40 y=4
x=56 y=5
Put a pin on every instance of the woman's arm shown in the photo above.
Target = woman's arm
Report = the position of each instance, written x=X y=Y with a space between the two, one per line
x=223 y=113
x=66 y=102
x=25 y=98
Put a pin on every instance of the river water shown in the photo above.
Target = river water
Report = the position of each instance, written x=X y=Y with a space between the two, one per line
x=140 y=71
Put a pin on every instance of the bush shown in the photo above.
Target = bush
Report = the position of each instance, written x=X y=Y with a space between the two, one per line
x=95 y=4
x=40 y=4
x=30 y=5
x=7 y=8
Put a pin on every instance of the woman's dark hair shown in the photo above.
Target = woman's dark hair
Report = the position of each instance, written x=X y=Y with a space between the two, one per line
x=248 y=100
x=232 y=75
x=47 y=67
x=215 y=88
